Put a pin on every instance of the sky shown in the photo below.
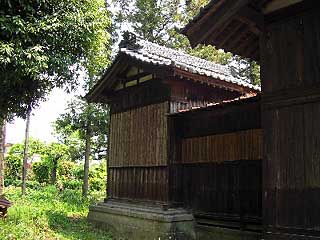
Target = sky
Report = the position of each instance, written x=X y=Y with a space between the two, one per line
x=41 y=119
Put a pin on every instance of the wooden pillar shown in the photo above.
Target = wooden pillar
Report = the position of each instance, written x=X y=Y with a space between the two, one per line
x=290 y=60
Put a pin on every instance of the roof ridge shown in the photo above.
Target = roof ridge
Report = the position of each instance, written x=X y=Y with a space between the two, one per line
x=154 y=53
x=219 y=65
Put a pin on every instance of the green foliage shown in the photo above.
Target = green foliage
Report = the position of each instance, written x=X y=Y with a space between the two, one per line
x=41 y=172
x=44 y=43
x=66 y=169
x=160 y=21
x=73 y=125
x=70 y=176
x=97 y=177
x=69 y=172
x=17 y=183
x=13 y=162
x=47 y=214
x=14 y=158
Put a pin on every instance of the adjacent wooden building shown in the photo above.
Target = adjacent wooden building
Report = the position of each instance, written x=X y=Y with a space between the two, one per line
x=161 y=153
x=217 y=170
x=284 y=36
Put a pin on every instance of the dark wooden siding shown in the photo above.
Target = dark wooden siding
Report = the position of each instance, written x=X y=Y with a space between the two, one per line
x=146 y=93
x=186 y=94
x=139 y=183
x=224 y=191
x=138 y=154
x=290 y=71
x=219 y=174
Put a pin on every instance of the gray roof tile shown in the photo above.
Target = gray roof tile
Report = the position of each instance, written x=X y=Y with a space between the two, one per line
x=149 y=52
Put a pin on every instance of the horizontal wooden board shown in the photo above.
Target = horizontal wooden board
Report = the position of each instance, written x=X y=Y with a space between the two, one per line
x=223 y=118
x=139 y=183
x=242 y=145
x=138 y=137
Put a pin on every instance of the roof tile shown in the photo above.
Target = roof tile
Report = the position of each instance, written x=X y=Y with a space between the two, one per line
x=159 y=55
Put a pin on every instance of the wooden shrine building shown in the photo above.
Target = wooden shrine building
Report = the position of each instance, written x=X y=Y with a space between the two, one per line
x=284 y=36
x=185 y=145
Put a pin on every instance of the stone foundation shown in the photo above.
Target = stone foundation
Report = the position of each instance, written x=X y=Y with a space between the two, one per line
x=129 y=221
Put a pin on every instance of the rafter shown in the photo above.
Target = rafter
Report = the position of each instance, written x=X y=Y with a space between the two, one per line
x=216 y=19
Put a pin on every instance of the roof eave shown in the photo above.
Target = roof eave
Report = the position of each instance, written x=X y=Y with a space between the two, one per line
x=93 y=94
x=216 y=82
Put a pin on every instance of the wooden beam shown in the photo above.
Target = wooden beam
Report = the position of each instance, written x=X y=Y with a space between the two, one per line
x=136 y=77
x=241 y=48
x=229 y=35
x=217 y=18
x=252 y=51
x=237 y=40
x=278 y=4
x=252 y=18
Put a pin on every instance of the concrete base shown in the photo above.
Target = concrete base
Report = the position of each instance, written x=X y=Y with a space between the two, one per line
x=141 y=222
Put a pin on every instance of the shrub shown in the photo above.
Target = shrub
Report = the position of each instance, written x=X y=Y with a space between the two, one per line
x=74 y=184
x=66 y=169
x=41 y=172
x=18 y=183
x=13 y=166
x=97 y=177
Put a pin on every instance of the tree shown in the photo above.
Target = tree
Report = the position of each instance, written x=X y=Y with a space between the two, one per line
x=25 y=154
x=43 y=44
x=2 y=148
x=54 y=153
x=246 y=69
x=90 y=121
x=160 y=21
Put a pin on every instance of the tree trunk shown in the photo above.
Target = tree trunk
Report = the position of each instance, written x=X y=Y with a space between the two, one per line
x=2 y=149
x=54 y=171
x=25 y=154
x=86 y=161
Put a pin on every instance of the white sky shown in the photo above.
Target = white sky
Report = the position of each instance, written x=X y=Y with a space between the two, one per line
x=41 y=119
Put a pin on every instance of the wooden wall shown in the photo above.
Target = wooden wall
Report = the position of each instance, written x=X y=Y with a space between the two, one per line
x=219 y=176
x=244 y=145
x=290 y=53
x=146 y=93
x=186 y=94
x=138 y=153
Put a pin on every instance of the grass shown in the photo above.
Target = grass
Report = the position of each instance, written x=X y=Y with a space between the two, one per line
x=47 y=214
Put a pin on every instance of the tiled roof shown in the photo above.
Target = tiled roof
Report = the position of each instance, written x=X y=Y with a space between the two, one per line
x=155 y=54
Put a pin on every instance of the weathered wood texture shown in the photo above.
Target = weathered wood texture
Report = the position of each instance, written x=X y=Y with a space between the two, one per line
x=219 y=175
x=138 y=154
x=139 y=137
x=290 y=53
x=185 y=94
x=139 y=183
x=244 y=145
x=228 y=190
x=150 y=92
x=224 y=118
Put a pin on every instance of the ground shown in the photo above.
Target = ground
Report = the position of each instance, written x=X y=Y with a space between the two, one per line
x=44 y=213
